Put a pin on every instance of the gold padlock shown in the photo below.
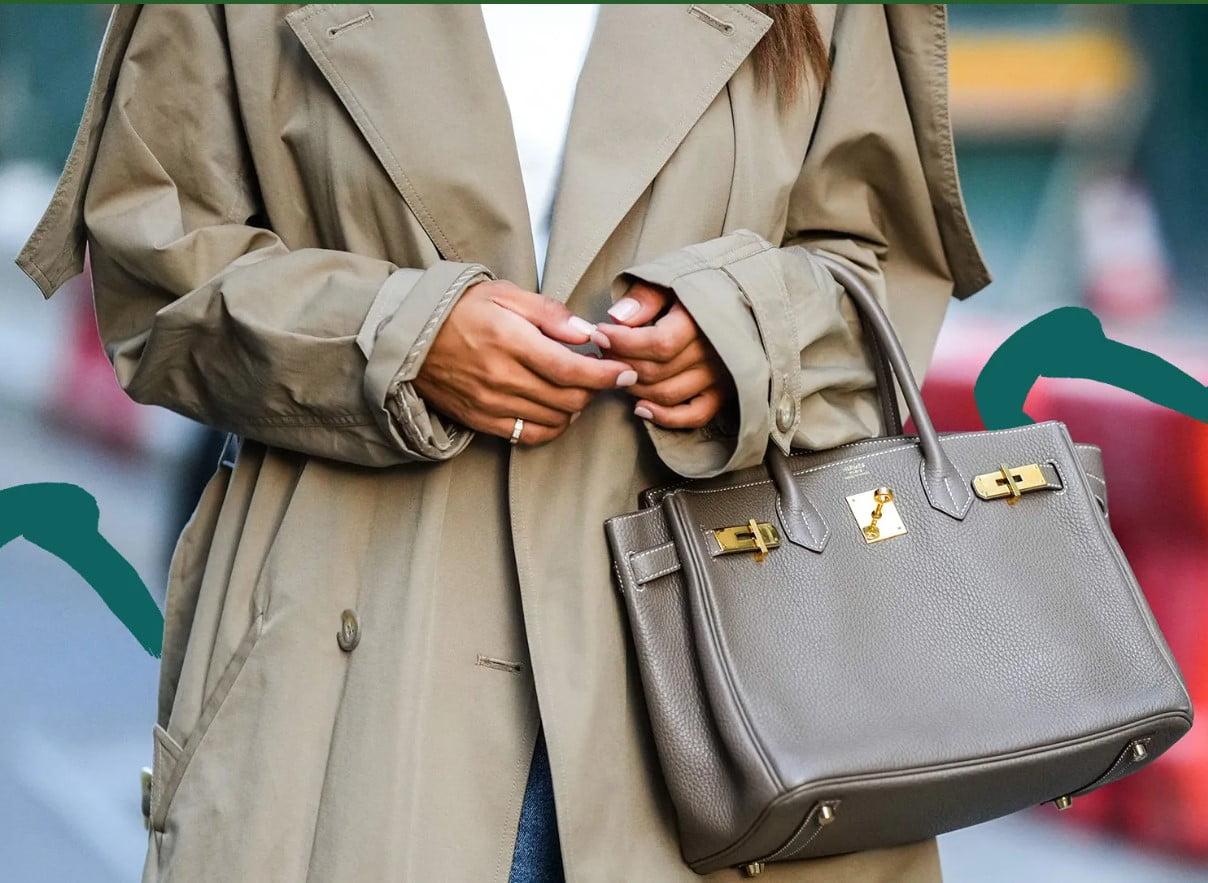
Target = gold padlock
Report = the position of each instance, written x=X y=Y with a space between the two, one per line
x=877 y=514
x=881 y=495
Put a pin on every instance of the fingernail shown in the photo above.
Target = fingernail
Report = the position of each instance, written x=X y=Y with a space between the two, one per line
x=581 y=325
x=575 y=416
x=644 y=413
x=624 y=308
x=627 y=378
x=600 y=339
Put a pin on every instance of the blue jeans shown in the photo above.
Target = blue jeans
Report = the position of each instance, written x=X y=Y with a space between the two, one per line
x=537 y=858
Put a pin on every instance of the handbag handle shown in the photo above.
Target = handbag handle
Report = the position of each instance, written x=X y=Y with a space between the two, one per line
x=946 y=490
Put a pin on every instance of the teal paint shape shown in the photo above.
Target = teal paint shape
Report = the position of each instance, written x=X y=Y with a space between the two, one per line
x=1069 y=342
x=64 y=519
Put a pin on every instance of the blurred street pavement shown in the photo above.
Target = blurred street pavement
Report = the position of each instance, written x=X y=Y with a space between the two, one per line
x=77 y=690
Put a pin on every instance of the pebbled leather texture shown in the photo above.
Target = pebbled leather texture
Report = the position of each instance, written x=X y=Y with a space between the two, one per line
x=960 y=672
x=997 y=655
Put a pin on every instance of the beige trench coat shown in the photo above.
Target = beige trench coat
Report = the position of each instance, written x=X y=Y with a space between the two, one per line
x=282 y=204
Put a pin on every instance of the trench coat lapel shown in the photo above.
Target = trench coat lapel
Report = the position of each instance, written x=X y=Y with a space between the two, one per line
x=650 y=72
x=421 y=84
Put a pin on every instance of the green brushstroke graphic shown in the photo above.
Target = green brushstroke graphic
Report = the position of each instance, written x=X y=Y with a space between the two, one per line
x=64 y=520
x=1069 y=342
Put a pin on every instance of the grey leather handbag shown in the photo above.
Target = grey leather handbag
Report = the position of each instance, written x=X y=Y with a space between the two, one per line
x=871 y=645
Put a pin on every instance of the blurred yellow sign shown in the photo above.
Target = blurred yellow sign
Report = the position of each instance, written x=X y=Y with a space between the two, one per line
x=1038 y=83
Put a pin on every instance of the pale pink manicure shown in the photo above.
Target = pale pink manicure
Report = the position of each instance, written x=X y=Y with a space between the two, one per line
x=627 y=378
x=600 y=339
x=624 y=308
x=575 y=416
x=581 y=325
x=644 y=413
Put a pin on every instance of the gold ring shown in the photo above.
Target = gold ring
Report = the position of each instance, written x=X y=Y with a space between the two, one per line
x=516 y=430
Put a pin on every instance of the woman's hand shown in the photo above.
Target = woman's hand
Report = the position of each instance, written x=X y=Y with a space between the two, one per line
x=682 y=384
x=499 y=355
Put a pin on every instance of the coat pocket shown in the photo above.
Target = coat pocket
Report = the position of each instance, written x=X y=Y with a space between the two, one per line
x=165 y=754
x=171 y=759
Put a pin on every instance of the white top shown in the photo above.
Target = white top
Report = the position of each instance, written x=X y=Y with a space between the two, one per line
x=539 y=51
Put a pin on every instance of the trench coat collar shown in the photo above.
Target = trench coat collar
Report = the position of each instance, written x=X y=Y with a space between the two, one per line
x=650 y=73
x=420 y=82
x=448 y=146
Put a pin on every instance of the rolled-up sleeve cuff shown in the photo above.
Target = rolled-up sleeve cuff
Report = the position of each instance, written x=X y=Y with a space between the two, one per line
x=395 y=337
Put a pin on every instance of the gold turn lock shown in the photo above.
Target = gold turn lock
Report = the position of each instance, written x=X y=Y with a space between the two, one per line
x=1010 y=482
x=757 y=537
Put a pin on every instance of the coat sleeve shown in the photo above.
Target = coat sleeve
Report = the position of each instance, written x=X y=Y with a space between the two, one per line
x=874 y=193
x=204 y=310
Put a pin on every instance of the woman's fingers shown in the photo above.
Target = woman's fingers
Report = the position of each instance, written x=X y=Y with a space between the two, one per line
x=530 y=433
x=527 y=384
x=679 y=388
x=551 y=317
x=497 y=414
x=501 y=355
x=692 y=414
x=495 y=404
x=660 y=342
x=640 y=305
x=695 y=353
x=563 y=367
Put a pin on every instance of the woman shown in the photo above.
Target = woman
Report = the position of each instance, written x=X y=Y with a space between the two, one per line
x=309 y=227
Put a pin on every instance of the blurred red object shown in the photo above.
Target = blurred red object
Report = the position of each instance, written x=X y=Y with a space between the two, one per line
x=1157 y=472
x=87 y=399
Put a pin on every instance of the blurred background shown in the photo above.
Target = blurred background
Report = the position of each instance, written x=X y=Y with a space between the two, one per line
x=1082 y=136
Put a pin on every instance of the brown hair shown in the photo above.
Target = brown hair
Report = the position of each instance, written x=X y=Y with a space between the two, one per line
x=791 y=49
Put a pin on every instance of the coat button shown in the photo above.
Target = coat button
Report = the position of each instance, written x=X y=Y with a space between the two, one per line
x=349 y=634
x=786 y=413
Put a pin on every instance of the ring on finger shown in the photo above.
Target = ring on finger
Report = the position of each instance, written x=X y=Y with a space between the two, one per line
x=517 y=428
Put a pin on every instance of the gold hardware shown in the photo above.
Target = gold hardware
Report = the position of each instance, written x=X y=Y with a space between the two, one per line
x=754 y=869
x=826 y=814
x=759 y=543
x=1138 y=752
x=757 y=537
x=1063 y=803
x=877 y=515
x=881 y=496
x=1010 y=482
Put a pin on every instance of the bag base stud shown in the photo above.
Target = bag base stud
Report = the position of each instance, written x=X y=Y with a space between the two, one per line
x=754 y=869
x=826 y=815
x=1063 y=803
x=1139 y=752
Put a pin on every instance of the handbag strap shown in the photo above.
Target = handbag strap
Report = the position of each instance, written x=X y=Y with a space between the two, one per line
x=891 y=417
x=946 y=490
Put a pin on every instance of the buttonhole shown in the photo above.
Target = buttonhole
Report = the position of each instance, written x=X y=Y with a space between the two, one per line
x=499 y=664
x=336 y=30
x=711 y=20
